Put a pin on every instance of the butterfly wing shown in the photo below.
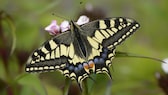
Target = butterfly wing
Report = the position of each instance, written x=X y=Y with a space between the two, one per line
x=110 y=32
x=96 y=40
x=59 y=53
x=51 y=55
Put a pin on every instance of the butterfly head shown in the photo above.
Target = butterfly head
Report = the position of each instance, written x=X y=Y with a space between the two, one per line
x=74 y=26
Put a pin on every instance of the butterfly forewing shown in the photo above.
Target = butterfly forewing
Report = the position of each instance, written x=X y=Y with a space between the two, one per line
x=51 y=55
x=112 y=31
x=84 y=49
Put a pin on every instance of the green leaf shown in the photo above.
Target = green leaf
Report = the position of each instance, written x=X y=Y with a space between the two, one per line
x=31 y=81
x=2 y=70
x=27 y=91
x=13 y=68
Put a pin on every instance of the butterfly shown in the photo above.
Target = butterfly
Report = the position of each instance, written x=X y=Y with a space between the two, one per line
x=83 y=49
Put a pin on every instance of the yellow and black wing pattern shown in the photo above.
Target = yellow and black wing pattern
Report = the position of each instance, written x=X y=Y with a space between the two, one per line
x=83 y=49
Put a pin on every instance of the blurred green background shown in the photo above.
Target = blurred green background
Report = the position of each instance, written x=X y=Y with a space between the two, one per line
x=25 y=20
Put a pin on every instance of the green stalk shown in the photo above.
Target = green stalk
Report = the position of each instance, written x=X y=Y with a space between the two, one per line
x=11 y=24
x=85 y=88
x=67 y=85
x=108 y=89
x=125 y=54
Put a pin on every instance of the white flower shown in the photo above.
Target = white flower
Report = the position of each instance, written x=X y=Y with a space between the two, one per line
x=64 y=26
x=82 y=20
x=89 y=7
x=165 y=65
x=53 y=28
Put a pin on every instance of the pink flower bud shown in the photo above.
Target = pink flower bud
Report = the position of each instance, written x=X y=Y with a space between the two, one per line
x=53 y=28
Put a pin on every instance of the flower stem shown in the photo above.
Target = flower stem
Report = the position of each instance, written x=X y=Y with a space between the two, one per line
x=67 y=85
x=12 y=26
x=125 y=54
x=85 y=88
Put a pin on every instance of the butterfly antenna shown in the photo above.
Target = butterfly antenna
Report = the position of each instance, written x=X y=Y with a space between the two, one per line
x=60 y=16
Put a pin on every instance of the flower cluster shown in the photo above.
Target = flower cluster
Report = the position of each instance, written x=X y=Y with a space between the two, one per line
x=55 y=29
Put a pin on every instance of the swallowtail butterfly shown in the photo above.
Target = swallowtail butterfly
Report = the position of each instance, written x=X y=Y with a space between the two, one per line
x=83 y=49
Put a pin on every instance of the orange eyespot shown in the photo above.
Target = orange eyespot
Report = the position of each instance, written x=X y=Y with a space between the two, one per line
x=86 y=66
x=91 y=64
x=89 y=67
